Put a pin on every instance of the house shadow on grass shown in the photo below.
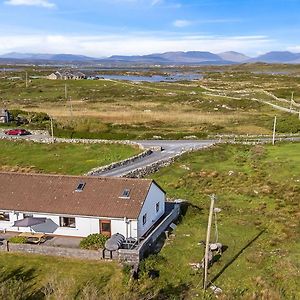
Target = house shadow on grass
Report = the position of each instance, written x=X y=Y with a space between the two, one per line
x=185 y=206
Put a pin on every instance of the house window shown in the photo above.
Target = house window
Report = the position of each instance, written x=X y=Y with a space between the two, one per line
x=157 y=207
x=4 y=216
x=67 y=222
x=144 y=219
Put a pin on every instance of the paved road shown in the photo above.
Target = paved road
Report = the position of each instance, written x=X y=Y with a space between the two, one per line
x=33 y=137
x=169 y=149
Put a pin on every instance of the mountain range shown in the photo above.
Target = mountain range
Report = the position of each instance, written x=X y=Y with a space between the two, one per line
x=167 y=58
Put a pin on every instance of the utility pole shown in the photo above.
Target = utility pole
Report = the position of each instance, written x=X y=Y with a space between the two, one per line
x=52 y=129
x=66 y=92
x=71 y=107
x=26 y=80
x=213 y=198
x=292 y=100
x=274 y=130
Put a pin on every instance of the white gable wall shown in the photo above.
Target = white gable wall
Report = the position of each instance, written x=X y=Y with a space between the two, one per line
x=155 y=195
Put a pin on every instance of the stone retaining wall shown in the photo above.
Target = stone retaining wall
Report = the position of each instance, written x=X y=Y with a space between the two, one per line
x=52 y=251
x=133 y=257
x=97 y=171
x=156 y=166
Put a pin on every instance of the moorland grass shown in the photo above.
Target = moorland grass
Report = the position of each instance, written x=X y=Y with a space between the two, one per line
x=195 y=108
x=258 y=190
x=45 y=277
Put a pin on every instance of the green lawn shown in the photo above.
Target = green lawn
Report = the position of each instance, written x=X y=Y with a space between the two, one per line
x=71 y=159
x=34 y=277
x=258 y=189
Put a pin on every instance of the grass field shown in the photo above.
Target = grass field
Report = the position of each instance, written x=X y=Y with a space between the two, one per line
x=68 y=159
x=223 y=102
x=41 y=277
x=258 y=191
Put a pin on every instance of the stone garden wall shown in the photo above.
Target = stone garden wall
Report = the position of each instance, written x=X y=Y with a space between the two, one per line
x=52 y=251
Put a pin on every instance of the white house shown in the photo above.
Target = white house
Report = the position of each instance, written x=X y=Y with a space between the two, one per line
x=54 y=76
x=4 y=116
x=79 y=206
x=66 y=75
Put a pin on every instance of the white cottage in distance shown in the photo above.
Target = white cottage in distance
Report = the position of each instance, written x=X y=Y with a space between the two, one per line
x=79 y=206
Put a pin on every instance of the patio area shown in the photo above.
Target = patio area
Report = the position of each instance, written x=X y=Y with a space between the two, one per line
x=53 y=241
x=65 y=242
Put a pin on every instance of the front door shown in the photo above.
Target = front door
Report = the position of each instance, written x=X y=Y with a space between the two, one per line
x=105 y=227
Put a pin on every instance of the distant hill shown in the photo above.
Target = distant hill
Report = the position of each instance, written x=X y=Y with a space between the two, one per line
x=278 y=57
x=48 y=57
x=234 y=56
x=167 y=58
x=180 y=57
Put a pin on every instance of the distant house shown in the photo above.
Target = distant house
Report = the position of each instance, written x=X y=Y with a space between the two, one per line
x=66 y=75
x=79 y=75
x=54 y=76
x=4 y=116
x=79 y=206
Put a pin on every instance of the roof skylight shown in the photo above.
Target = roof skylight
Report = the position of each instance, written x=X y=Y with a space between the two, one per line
x=80 y=187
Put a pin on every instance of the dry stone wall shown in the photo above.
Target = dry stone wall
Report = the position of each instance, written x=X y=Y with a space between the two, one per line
x=43 y=137
x=97 y=171
x=156 y=166
x=52 y=251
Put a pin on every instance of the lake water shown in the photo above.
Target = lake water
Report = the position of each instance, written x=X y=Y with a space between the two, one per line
x=273 y=72
x=9 y=69
x=154 y=78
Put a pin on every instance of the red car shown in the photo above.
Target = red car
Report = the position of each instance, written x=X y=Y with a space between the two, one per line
x=17 y=132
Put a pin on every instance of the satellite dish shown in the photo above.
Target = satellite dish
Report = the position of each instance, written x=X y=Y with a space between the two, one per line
x=217 y=210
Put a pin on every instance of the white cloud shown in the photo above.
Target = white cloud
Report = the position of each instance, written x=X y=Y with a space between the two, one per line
x=106 y=45
x=182 y=23
x=41 y=3
x=156 y=2
x=294 y=49
x=185 y=23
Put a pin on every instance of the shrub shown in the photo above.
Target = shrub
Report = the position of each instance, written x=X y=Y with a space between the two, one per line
x=93 y=241
x=18 y=240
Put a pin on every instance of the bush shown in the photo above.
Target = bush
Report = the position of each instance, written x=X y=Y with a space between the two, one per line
x=288 y=124
x=35 y=120
x=18 y=240
x=93 y=241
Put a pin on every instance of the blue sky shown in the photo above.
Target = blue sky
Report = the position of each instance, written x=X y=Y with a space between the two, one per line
x=107 y=27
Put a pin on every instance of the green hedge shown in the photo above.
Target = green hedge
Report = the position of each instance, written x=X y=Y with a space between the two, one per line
x=93 y=241
x=18 y=240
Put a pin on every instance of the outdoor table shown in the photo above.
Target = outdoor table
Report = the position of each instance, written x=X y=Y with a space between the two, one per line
x=36 y=238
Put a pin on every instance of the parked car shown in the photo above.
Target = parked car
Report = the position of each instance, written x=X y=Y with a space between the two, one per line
x=17 y=132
